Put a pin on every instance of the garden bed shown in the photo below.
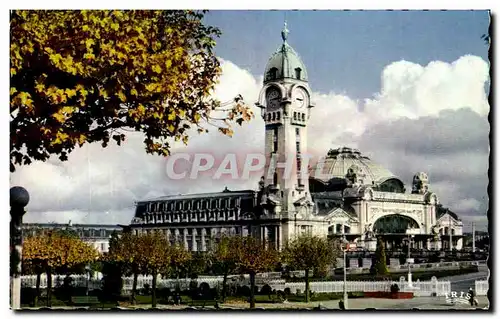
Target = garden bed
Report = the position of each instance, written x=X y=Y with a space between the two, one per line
x=388 y=295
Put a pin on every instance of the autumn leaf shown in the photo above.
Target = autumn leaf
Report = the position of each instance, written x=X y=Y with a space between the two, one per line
x=148 y=71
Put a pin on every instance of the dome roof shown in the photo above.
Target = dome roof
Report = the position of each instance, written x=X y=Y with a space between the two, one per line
x=338 y=162
x=285 y=63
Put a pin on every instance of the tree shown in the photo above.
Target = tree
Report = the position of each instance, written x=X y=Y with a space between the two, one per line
x=85 y=76
x=223 y=259
x=125 y=252
x=379 y=266
x=252 y=257
x=155 y=257
x=199 y=263
x=113 y=270
x=179 y=261
x=311 y=253
x=55 y=252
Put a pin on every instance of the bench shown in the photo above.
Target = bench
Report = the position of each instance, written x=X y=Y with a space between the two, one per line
x=85 y=300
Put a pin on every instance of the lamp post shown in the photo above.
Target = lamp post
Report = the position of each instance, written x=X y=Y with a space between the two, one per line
x=346 y=243
x=19 y=198
x=87 y=270
x=473 y=239
x=409 y=260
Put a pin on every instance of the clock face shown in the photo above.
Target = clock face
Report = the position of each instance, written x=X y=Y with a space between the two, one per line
x=273 y=98
x=299 y=98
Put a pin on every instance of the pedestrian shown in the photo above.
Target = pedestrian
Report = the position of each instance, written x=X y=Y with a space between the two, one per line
x=341 y=304
x=472 y=297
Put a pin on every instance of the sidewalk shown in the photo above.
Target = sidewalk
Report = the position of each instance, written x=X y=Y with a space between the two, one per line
x=438 y=303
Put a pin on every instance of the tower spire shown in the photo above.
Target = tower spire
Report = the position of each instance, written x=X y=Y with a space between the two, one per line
x=284 y=33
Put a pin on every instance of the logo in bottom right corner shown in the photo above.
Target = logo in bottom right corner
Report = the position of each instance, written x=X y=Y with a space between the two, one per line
x=459 y=298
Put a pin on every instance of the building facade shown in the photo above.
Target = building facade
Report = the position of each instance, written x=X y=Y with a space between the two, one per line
x=96 y=235
x=345 y=195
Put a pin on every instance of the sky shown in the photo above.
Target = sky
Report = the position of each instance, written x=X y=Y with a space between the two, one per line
x=406 y=88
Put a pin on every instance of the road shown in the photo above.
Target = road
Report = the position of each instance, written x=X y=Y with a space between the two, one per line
x=464 y=282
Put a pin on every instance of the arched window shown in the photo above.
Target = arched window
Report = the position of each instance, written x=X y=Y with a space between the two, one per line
x=275 y=179
x=338 y=228
x=273 y=74
x=269 y=116
x=278 y=116
x=274 y=116
x=294 y=116
x=303 y=116
x=298 y=72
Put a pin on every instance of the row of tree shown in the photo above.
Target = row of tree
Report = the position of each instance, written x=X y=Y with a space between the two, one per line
x=56 y=252
x=153 y=254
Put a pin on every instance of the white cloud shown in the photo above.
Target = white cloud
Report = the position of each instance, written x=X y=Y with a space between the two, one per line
x=95 y=181
x=412 y=90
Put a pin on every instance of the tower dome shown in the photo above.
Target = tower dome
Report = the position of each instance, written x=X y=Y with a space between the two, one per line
x=285 y=63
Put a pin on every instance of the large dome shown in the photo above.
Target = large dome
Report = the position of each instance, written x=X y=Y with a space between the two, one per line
x=285 y=63
x=339 y=161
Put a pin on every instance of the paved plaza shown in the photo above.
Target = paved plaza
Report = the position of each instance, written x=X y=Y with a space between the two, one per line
x=438 y=303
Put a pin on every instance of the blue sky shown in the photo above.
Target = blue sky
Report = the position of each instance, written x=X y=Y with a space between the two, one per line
x=345 y=51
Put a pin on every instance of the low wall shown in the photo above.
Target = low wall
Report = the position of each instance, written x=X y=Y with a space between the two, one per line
x=482 y=287
x=419 y=288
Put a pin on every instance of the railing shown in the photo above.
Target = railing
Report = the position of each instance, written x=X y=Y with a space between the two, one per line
x=57 y=280
x=420 y=288
x=482 y=287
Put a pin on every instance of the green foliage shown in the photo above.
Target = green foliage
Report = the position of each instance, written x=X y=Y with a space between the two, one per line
x=311 y=253
x=379 y=266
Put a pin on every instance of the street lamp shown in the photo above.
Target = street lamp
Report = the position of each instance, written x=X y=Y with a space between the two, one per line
x=87 y=270
x=19 y=198
x=346 y=243
x=409 y=260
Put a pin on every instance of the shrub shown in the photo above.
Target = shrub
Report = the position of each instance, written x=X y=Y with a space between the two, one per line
x=163 y=293
x=28 y=296
x=112 y=282
x=204 y=287
x=266 y=290
x=243 y=291
x=287 y=291
x=394 y=288
x=146 y=290
x=193 y=285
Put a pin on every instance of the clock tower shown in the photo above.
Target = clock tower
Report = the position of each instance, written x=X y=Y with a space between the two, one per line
x=285 y=103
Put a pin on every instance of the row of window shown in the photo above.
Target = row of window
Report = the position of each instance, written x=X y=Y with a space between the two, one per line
x=339 y=229
x=194 y=204
x=207 y=231
x=298 y=116
x=82 y=233
x=153 y=218
x=273 y=74
x=274 y=116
